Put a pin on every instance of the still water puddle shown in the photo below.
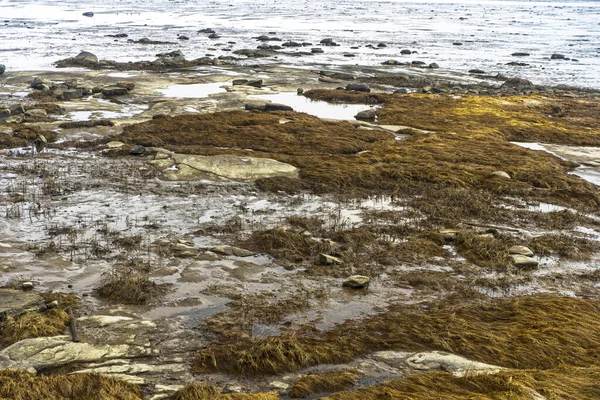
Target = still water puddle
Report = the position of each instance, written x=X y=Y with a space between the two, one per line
x=194 y=91
x=317 y=108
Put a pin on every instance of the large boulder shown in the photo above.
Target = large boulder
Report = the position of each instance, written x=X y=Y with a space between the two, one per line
x=358 y=87
x=87 y=57
x=517 y=83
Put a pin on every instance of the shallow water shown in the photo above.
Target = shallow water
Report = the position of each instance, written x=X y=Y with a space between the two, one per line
x=317 y=108
x=194 y=91
x=37 y=33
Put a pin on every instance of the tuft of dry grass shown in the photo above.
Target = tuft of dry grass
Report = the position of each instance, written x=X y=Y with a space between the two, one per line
x=565 y=246
x=129 y=284
x=563 y=383
x=535 y=332
x=285 y=245
x=19 y=385
x=486 y=251
x=327 y=382
x=33 y=324
x=194 y=391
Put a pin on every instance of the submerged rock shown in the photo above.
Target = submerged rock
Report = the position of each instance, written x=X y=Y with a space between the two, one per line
x=356 y=281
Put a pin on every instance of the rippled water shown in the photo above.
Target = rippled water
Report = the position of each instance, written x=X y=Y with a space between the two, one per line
x=37 y=33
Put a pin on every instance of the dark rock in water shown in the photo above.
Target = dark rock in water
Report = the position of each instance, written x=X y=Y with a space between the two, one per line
x=418 y=63
x=17 y=109
x=277 y=107
x=355 y=47
x=149 y=41
x=291 y=44
x=517 y=64
x=183 y=37
x=265 y=46
x=254 y=53
x=349 y=55
x=358 y=87
x=214 y=36
x=381 y=45
x=265 y=38
x=434 y=66
x=517 y=83
x=4 y=113
x=112 y=91
x=558 y=57
x=119 y=35
x=520 y=54
x=206 y=30
x=391 y=62
x=405 y=52
x=72 y=94
x=401 y=91
x=137 y=150
x=255 y=83
x=88 y=14
x=239 y=82
x=2 y=68
x=254 y=106
x=328 y=42
x=457 y=44
x=476 y=71
x=316 y=50
x=299 y=91
x=86 y=56
x=366 y=115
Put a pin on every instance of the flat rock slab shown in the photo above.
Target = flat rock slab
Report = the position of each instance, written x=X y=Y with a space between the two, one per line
x=521 y=261
x=184 y=167
x=15 y=302
x=50 y=352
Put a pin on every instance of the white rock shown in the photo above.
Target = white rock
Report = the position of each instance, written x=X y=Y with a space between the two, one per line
x=501 y=174
x=522 y=250
x=456 y=365
x=104 y=320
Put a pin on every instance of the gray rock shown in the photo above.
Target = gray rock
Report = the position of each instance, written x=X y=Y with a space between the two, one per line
x=113 y=91
x=337 y=75
x=558 y=57
x=206 y=30
x=232 y=251
x=316 y=50
x=381 y=45
x=15 y=302
x=38 y=83
x=517 y=83
x=214 y=36
x=255 y=83
x=27 y=285
x=239 y=82
x=2 y=68
x=476 y=71
x=183 y=37
x=418 y=63
x=328 y=42
x=36 y=112
x=524 y=262
x=4 y=113
x=17 y=109
x=405 y=52
x=366 y=115
x=520 y=54
x=401 y=91
x=456 y=365
x=291 y=44
x=358 y=87
x=277 y=107
x=72 y=94
x=87 y=56
x=434 y=66
x=88 y=14
x=138 y=150
x=356 y=281
x=522 y=250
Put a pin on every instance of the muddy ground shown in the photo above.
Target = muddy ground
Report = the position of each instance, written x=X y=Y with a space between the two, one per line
x=190 y=238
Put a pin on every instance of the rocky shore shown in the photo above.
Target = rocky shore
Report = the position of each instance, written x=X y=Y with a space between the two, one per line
x=201 y=229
